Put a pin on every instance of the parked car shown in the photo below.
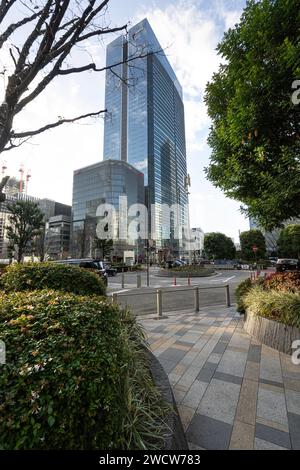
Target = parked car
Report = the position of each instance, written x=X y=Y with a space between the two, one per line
x=178 y=263
x=110 y=270
x=273 y=260
x=88 y=263
x=286 y=264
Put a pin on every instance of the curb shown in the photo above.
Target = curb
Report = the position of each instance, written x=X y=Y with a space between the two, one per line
x=177 y=439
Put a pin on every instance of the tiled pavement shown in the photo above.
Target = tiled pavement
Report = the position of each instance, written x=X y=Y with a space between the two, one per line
x=232 y=392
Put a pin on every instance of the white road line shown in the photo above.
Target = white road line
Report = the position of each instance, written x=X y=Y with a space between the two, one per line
x=120 y=291
x=229 y=278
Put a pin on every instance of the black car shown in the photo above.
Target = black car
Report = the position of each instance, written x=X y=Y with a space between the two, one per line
x=287 y=264
x=110 y=270
x=88 y=263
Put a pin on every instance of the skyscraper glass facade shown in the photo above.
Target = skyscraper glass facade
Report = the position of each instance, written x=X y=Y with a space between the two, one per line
x=145 y=122
x=94 y=185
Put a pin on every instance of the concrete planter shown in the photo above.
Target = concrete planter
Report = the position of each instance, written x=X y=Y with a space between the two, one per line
x=271 y=333
x=176 y=440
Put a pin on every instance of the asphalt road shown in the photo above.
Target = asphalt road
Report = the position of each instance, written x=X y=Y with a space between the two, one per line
x=143 y=300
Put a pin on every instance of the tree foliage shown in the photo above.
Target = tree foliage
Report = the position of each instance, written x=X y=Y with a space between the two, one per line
x=255 y=134
x=25 y=221
x=219 y=246
x=103 y=246
x=289 y=241
x=248 y=240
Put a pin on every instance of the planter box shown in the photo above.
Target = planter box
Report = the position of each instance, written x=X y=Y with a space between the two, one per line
x=271 y=333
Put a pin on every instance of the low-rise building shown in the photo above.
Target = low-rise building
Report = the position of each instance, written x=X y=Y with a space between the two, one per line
x=57 y=237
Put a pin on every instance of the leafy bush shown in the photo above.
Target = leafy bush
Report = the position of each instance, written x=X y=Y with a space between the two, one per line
x=62 y=386
x=30 y=276
x=3 y=268
x=242 y=289
x=75 y=376
x=282 y=306
x=283 y=282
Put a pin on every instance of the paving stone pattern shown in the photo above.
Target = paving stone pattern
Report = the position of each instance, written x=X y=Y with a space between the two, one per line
x=232 y=392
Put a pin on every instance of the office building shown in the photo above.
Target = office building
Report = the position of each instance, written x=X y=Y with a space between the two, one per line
x=95 y=185
x=57 y=237
x=48 y=207
x=144 y=126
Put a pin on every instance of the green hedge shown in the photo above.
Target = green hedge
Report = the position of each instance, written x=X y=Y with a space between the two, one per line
x=185 y=271
x=63 y=383
x=76 y=376
x=30 y=276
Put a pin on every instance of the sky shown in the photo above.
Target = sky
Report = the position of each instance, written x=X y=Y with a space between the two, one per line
x=189 y=31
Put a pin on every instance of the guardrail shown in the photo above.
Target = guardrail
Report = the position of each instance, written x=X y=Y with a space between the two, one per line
x=159 y=296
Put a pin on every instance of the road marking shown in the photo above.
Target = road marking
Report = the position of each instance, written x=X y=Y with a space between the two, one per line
x=229 y=278
x=216 y=275
x=120 y=291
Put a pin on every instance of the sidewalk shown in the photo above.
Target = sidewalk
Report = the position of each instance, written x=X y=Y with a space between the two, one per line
x=231 y=391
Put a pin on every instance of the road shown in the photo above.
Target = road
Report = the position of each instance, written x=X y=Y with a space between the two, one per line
x=174 y=298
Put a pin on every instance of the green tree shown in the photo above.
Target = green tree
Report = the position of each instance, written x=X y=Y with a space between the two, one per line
x=250 y=239
x=103 y=246
x=252 y=101
x=219 y=246
x=289 y=241
x=25 y=222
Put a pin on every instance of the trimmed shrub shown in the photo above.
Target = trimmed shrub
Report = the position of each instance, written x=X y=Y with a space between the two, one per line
x=189 y=270
x=66 y=364
x=75 y=376
x=31 y=276
x=283 y=282
x=281 y=306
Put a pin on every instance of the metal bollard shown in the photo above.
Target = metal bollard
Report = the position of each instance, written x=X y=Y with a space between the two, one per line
x=138 y=280
x=159 y=302
x=227 y=296
x=196 y=295
x=123 y=280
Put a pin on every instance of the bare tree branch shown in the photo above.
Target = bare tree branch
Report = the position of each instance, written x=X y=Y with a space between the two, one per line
x=12 y=28
x=92 y=66
x=14 y=146
x=5 y=6
x=57 y=26
x=12 y=56
x=21 y=135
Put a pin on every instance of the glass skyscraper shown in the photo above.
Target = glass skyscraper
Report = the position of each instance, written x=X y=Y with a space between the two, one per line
x=103 y=183
x=144 y=125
